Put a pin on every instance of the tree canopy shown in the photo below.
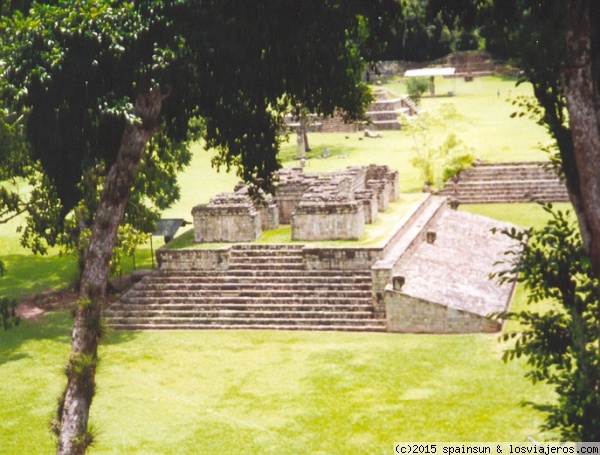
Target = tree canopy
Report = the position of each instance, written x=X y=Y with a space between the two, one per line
x=111 y=93
x=557 y=45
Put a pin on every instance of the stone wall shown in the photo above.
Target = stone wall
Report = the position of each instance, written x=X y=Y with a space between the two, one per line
x=328 y=217
x=265 y=206
x=228 y=217
x=342 y=258
x=405 y=313
x=369 y=202
x=383 y=172
x=269 y=215
x=192 y=259
x=409 y=233
x=325 y=206
x=381 y=189
x=328 y=206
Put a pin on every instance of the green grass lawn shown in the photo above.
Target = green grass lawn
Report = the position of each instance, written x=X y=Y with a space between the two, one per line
x=268 y=392
x=275 y=392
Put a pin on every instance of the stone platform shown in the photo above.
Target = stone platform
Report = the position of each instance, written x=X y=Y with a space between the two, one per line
x=430 y=275
x=507 y=182
x=323 y=206
x=443 y=285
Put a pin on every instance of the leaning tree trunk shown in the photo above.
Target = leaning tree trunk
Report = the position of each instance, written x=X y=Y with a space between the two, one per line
x=73 y=412
x=583 y=103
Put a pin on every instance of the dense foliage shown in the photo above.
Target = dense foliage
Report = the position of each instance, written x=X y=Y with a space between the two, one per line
x=556 y=44
x=561 y=343
x=75 y=72
x=113 y=91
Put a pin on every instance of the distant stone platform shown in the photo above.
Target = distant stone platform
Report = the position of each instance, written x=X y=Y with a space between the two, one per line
x=507 y=182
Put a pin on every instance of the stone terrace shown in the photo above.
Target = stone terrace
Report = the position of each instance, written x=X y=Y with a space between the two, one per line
x=325 y=206
x=247 y=287
x=507 y=182
x=430 y=274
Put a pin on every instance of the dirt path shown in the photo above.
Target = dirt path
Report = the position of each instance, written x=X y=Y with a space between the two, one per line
x=33 y=307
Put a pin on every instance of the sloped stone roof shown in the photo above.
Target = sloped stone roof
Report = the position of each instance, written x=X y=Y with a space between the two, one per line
x=454 y=270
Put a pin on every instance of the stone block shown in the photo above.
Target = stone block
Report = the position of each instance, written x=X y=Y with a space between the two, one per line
x=369 y=201
x=328 y=217
x=381 y=188
x=228 y=217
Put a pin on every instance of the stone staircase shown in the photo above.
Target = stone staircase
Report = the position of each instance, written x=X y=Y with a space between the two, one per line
x=336 y=124
x=383 y=114
x=507 y=182
x=263 y=287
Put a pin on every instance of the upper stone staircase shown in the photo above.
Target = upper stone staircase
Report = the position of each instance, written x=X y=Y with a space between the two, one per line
x=264 y=287
x=507 y=182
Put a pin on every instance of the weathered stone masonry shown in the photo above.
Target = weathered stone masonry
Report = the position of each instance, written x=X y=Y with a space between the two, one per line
x=228 y=217
x=326 y=206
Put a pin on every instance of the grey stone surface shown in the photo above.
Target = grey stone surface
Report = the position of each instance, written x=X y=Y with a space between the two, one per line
x=328 y=217
x=454 y=270
x=228 y=217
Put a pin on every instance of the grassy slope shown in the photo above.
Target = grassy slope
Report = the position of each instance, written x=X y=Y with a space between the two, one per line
x=280 y=392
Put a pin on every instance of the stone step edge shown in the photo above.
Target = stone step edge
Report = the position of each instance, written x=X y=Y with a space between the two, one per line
x=333 y=328
x=207 y=307
x=413 y=235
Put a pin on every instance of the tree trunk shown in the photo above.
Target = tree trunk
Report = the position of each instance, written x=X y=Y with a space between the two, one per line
x=74 y=407
x=300 y=137
x=583 y=102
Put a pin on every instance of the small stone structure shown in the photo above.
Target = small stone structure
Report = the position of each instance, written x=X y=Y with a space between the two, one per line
x=384 y=113
x=265 y=206
x=326 y=206
x=334 y=205
x=228 y=217
x=328 y=217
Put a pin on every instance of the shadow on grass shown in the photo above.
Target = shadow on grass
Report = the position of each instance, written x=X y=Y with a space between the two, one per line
x=54 y=326
x=30 y=274
x=119 y=336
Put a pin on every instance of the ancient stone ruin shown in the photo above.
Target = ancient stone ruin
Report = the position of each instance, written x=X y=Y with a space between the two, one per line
x=327 y=206
x=229 y=217
x=430 y=273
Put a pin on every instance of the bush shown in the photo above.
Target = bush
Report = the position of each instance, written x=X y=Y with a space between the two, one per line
x=416 y=86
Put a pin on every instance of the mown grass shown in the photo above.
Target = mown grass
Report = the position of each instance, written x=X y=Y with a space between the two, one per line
x=281 y=392
x=268 y=392
x=274 y=392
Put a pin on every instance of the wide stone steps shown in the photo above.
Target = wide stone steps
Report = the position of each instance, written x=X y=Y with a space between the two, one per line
x=368 y=325
x=292 y=288
x=252 y=293
x=499 y=171
x=507 y=182
x=160 y=306
x=258 y=280
x=264 y=287
x=272 y=266
x=242 y=314
x=265 y=274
